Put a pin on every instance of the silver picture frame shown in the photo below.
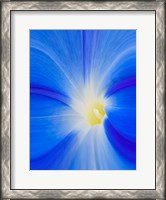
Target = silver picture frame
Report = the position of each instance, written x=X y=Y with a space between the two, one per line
x=7 y=7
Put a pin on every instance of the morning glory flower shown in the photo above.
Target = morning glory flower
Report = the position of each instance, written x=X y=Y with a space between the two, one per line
x=82 y=99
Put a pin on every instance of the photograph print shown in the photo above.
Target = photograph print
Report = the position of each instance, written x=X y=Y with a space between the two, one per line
x=82 y=99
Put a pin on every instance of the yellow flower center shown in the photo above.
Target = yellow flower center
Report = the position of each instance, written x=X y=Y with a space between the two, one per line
x=95 y=113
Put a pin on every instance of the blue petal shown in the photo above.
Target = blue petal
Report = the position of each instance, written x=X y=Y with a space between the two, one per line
x=47 y=119
x=96 y=152
x=123 y=146
x=57 y=157
x=123 y=84
x=121 y=110
x=107 y=52
x=59 y=56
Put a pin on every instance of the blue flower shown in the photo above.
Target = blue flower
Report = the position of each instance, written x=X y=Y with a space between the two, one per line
x=82 y=99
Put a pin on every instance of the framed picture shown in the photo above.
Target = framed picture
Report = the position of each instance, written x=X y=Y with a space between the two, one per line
x=83 y=87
